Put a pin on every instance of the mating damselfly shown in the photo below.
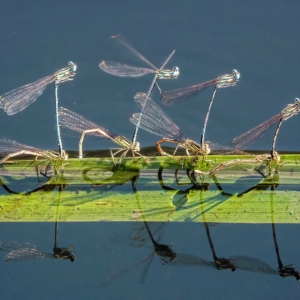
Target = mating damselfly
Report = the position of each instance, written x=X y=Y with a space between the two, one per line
x=156 y=121
x=76 y=126
x=245 y=140
x=183 y=94
x=16 y=100
x=12 y=149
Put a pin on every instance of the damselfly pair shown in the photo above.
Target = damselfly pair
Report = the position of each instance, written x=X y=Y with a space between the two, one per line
x=17 y=100
x=168 y=98
x=20 y=251
x=12 y=149
x=245 y=140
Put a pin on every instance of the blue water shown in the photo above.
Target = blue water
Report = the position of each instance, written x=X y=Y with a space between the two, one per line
x=103 y=250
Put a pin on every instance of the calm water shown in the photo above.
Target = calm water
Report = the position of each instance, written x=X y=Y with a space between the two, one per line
x=117 y=257
x=211 y=38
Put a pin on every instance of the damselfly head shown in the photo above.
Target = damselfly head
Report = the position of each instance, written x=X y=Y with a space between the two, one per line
x=175 y=73
x=236 y=74
x=72 y=66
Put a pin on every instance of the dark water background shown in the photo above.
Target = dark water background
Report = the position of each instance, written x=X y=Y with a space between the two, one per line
x=260 y=39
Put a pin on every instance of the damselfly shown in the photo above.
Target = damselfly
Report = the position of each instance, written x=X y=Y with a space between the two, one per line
x=183 y=94
x=25 y=251
x=123 y=70
x=156 y=121
x=245 y=140
x=142 y=232
x=18 y=99
x=14 y=148
x=19 y=251
x=76 y=126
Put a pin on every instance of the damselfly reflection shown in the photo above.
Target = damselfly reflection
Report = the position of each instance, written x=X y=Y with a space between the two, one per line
x=183 y=94
x=141 y=234
x=18 y=99
x=252 y=264
x=181 y=197
x=156 y=121
x=76 y=126
x=123 y=70
x=13 y=149
x=245 y=140
x=25 y=251
x=20 y=251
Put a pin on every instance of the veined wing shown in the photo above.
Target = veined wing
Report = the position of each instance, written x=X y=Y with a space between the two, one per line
x=22 y=251
x=12 y=245
x=185 y=260
x=247 y=139
x=167 y=60
x=121 y=40
x=139 y=233
x=71 y=121
x=183 y=94
x=218 y=149
x=26 y=254
x=252 y=264
x=7 y=145
x=155 y=120
x=123 y=70
x=18 y=99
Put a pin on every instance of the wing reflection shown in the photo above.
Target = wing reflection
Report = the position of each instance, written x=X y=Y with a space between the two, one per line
x=20 y=251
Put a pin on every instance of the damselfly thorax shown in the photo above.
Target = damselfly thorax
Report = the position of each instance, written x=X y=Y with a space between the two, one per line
x=66 y=74
x=168 y=74
x=188 y=145
x=124 y=142
x=291 y=110
x=228 y=79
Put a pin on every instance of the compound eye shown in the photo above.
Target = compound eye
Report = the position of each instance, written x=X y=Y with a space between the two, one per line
x=72 y=66
x=236 y=74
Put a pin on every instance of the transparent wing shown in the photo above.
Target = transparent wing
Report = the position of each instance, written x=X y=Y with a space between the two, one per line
x=139 y=233
x=218 y=149
x=247 y=139
x=7 y=145
x=252 y=264
x=2 y=103
x=155 y=120
x=121 y=40
x=183 y=94
x=12 y=245
x=22 y=251
x=185 y=260
x=18 y=99
x=167 y=59
x=123 y=70
x=71 y=121
x=26 y=254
